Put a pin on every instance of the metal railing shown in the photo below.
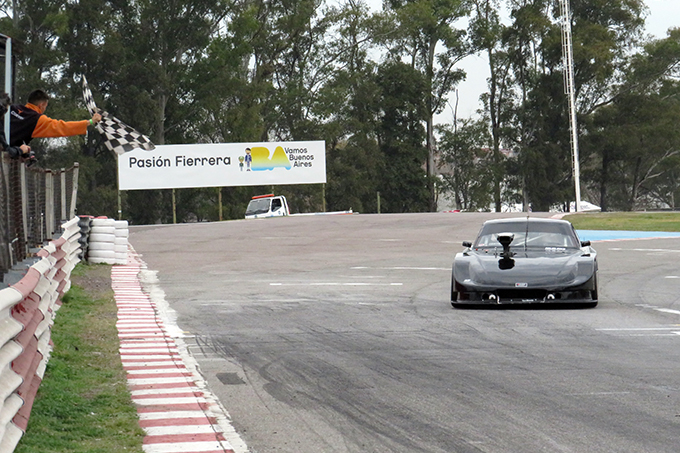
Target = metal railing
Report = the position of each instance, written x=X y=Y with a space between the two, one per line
x=34 y=202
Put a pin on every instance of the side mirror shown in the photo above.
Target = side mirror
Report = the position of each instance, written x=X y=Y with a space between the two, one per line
x=585 y=243
x=467 y=244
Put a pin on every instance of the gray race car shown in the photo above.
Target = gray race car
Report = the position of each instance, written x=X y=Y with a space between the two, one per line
x=525 y=261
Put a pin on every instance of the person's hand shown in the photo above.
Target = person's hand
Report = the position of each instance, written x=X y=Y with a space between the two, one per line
x=96 y=118
x=25 y=150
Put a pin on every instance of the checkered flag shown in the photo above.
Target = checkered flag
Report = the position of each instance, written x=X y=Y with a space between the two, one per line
x=120 y=138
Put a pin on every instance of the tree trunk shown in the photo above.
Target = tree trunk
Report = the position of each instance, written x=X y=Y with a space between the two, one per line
x=431 y=171
x=604 y=181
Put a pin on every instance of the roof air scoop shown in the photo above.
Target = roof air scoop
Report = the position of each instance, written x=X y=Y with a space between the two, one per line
x=506 y=239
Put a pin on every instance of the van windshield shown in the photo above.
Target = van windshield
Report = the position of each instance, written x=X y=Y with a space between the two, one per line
x=259 y=206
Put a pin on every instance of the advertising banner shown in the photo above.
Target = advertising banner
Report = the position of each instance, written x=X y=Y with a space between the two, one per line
x=223 y=164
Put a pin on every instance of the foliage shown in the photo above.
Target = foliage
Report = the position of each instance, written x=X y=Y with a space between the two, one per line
x=626 y=221
x=465 y=150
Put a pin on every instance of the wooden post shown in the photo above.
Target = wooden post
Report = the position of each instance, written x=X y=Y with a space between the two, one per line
x=219 y=202
x=24 y=204
x=62 y=217
x=74 y=192
x=49 y=205
x=174 y=207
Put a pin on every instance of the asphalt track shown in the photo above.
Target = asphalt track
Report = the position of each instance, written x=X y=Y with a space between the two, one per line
x=335 y=334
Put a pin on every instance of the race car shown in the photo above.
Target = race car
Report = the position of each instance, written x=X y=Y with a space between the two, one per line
x=525 y=261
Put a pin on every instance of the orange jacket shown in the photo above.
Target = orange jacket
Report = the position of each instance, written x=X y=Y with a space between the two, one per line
x=48 y=127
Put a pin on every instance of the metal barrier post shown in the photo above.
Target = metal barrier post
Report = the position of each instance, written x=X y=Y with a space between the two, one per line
x=74 y=190
x=24 y=205
x=49 y=204
x=63 y=196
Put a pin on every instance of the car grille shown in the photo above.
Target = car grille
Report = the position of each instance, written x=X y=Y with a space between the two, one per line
x=521 y=294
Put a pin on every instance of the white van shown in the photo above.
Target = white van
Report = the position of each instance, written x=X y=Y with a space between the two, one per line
x=269 y=205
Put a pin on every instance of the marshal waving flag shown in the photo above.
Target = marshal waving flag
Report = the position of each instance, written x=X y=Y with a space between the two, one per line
x=119 y=137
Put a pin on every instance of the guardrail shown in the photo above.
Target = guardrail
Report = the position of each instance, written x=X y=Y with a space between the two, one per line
x=27 y=311
x=34 y=202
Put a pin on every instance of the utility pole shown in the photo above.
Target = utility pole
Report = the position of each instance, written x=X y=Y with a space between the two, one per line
x=568 y=60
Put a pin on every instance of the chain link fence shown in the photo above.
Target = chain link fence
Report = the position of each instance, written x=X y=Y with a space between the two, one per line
x=34 y=203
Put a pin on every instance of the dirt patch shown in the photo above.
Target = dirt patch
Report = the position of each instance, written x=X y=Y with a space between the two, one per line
x=95 y=279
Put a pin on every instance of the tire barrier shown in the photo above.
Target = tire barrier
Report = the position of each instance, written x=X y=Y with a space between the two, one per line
x=85 y=225
x=108 y=241
x=27 y=312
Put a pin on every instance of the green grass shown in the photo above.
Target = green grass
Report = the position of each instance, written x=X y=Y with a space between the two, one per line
x=626 y=221
x=83 y=404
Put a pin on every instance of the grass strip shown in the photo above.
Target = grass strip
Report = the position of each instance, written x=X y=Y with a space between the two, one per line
x=626 y=221
x=83 y=404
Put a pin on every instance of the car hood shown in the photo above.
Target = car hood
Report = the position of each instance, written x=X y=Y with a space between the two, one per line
x=526 y=269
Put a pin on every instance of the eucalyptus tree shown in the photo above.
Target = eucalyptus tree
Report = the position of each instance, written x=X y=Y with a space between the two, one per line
x=428 y=38
x=349 y=102
x=637 y=143
x=487 y=35
x=604 y=32
x=465 y=151
x=34 y=25
x=295 y=58
x=402 y=109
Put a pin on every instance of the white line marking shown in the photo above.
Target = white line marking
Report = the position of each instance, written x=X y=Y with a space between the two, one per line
x=638 y=329
x=598 y=393
x=404 y=268
x=167 y=430
x=167 y=401
x=646 y=250
x=336 y=284
x=177 y=371
x=150 y=364
x=170 y=415
x=183 y=389
x=179 y=447
x=173 y=380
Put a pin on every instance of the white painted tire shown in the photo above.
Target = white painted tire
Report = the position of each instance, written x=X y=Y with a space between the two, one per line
x=120 y=249
x=101 y=260
x=101 y=253
x=103 y=229
x=121 y=224
x=103 y=222
x=102 y=246
x=122 y=232
x=120 y=241
x=102 y=237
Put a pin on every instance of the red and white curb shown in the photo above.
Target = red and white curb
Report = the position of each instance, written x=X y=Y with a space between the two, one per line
x=175 y=407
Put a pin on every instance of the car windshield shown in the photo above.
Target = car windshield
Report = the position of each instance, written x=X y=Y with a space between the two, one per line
x=529 y=234
x=259 y=206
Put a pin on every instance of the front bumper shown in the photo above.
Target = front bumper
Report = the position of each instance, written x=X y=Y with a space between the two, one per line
x=584 y=293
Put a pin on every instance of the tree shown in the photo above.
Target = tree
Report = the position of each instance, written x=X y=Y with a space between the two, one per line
x=464 y=148
x=350 y=103
x=404 y=183
x=486 y=34
x=428 y=37
x=602 y=32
